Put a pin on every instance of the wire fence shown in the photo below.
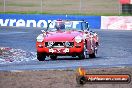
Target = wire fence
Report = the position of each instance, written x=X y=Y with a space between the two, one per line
x=93 y=7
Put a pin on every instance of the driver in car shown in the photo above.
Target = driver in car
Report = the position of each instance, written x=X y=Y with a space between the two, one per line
x=59 y=25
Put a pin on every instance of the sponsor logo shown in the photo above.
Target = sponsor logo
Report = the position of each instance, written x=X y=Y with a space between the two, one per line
x=116 y=22
x=82 y=77
x=30 y=23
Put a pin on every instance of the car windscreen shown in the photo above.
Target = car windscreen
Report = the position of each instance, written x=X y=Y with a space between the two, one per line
x=67 y=25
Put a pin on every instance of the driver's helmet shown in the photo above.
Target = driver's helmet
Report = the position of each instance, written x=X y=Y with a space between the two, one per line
x=59 y=24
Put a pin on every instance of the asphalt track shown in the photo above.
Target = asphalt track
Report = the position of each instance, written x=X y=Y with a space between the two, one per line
x=115 y=50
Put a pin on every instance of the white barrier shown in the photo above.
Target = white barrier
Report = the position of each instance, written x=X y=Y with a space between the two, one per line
x=116 y=22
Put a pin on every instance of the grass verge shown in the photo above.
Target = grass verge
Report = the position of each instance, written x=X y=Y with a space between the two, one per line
x=68 y=13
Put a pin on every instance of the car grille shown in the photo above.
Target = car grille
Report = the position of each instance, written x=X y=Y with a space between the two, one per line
x=59 y=44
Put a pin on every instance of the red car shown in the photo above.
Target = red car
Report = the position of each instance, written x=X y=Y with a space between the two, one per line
x=67 y=38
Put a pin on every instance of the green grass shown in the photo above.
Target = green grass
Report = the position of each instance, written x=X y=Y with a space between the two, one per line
x=32 y=5
x=73 y=13
x=63 y=7
x=1 y=4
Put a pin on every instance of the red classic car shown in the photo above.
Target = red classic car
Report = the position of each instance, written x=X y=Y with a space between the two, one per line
x=67 y=38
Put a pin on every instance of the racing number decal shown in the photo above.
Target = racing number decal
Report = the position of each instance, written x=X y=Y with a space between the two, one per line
x=58 y=50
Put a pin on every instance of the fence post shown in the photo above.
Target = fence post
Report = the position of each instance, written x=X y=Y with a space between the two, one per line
x=4 y=5
x=80 y=9
x=41 y=6
x=119 y=8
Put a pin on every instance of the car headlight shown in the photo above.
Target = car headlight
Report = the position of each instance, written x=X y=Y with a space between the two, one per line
x=50 y=43
x=67 y=44
x=40 y=38
x=78 y=39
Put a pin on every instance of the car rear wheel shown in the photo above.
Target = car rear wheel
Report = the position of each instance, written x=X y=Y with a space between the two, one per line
x=92 y=55
x=53 y=57
x=41 y=56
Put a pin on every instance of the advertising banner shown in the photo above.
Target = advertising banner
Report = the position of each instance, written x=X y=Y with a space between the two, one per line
x=38 y=20
x=130 y=1
x=125 y=1
x=116 y=22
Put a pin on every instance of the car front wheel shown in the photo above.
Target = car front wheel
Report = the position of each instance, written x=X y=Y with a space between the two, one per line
x=81 y=56
x=41 y=56
x=53 y=57
x=84 y=54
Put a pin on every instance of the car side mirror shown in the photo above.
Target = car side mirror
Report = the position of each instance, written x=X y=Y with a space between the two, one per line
x=48 y=26
x=42 y=31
